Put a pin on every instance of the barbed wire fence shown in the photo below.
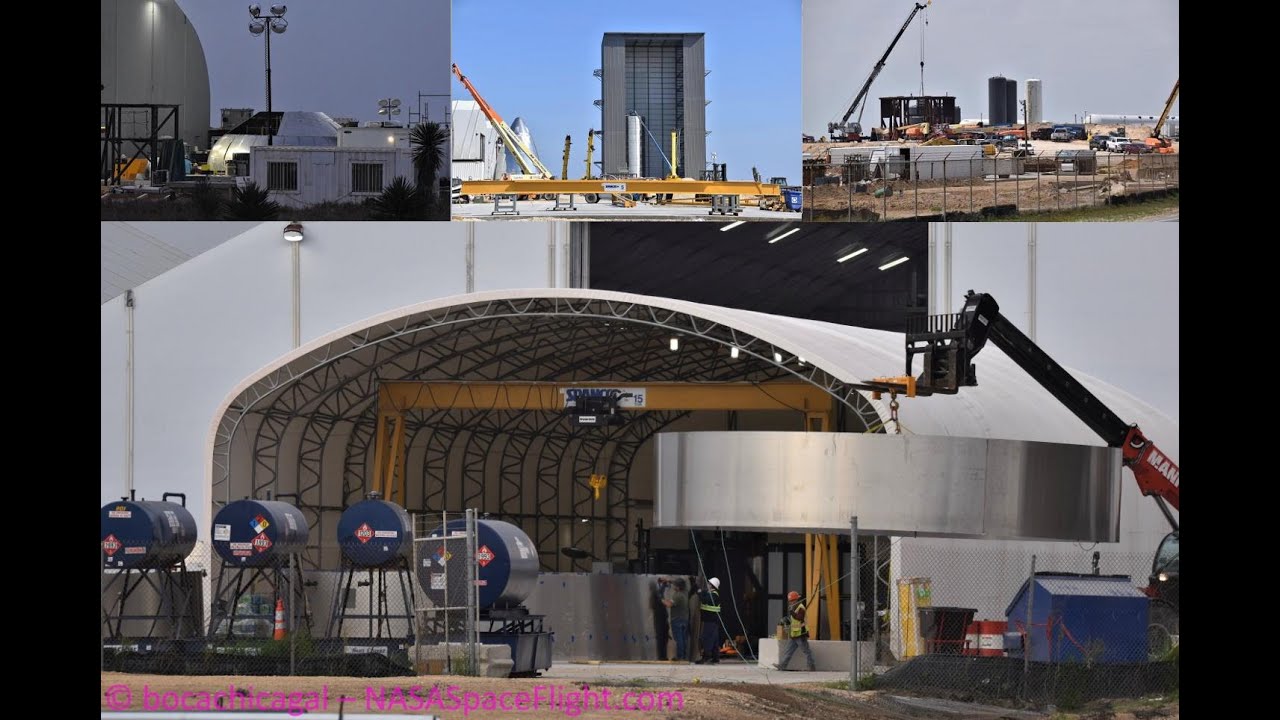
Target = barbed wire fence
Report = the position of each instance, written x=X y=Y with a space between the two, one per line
x=877 y=183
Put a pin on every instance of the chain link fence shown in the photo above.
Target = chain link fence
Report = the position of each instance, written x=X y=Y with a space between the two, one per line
x=875 y=183
x=415 y=614
x=1040 y=623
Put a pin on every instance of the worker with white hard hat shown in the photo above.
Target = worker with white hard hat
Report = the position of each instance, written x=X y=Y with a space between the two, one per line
x=709 y=599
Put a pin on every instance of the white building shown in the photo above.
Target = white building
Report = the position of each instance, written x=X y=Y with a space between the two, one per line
x=476 y=154
x=151 y=54
x=301 y=176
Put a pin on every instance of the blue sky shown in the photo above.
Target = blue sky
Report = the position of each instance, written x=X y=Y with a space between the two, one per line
x=534 y=60
x=337 y=57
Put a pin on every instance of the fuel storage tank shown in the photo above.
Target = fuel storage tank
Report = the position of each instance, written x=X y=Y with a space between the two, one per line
x=259 y=533
x=375 y=533
x=997 y=88
x=507 y=560
x=146 y=534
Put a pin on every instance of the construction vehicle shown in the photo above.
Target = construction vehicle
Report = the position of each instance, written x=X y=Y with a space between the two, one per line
x=846 y=131
x=529 y=163
x=948 y=344
x=1157 y=141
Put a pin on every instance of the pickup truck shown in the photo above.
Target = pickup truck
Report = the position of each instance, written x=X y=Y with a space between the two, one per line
x=1061 y=135
x=1116 y=144
x=1099 y=142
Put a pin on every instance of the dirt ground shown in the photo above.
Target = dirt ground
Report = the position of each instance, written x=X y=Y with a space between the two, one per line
x=701 y=701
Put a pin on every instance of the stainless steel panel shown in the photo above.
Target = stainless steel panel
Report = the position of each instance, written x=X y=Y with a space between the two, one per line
x=599 y=616
x=895 y=484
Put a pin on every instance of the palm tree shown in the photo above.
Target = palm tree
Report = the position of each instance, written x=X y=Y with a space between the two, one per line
x=250 y=203
x=401 y=200
x=430 y=142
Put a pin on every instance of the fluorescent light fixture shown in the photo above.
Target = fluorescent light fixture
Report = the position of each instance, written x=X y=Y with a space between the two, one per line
x=732 y=225
x=792 y=231
x=733 y=352
x=675 y=344
x=801 y=360
x=894 y=263
x=851 y=255
x=777 y=357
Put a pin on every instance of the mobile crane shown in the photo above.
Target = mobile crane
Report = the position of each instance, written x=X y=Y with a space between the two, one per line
x=948 y=344
x=528 y=161
x=844 y=130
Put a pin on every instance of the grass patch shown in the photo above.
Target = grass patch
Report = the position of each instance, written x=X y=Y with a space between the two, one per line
x=627 y=682
x=836 y=684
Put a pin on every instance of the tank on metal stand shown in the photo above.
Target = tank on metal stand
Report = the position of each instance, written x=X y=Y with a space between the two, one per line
x=150 y=600
x=260 y=543
x=376 y=539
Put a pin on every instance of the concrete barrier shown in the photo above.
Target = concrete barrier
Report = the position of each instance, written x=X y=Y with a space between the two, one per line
x=828 y=655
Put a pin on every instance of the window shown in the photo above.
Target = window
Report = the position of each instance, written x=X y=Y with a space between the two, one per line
x=282 y=176
x=366 y=177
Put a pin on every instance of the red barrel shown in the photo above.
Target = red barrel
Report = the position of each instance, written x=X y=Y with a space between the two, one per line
x=985 y=638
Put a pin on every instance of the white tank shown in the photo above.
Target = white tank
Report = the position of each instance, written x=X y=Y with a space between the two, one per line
x=152 y=55
x=633 y=146
x=1035 y=101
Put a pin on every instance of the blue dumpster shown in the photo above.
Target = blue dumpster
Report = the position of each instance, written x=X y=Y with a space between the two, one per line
x=1080 y=618
x=794 y=201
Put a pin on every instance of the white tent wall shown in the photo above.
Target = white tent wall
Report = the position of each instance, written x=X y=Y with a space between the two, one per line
x=1106 y=304
x=204 y=326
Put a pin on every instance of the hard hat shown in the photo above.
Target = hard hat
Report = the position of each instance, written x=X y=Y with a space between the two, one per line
x=793 y=596
x=715 y=583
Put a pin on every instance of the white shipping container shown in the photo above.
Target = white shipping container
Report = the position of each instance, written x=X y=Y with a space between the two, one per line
x=302 y=176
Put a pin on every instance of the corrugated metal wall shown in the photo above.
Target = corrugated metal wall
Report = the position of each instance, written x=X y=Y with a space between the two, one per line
x=613 y=110
x=694 y=140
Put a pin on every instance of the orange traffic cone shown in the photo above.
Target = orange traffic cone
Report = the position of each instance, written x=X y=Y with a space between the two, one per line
x=279 y=634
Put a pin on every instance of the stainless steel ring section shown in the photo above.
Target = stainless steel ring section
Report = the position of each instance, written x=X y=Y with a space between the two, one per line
x=895 y=484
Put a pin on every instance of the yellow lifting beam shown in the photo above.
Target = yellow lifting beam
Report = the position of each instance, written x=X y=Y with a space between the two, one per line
x=540 y=187
x=398 y=397
x=821 y=561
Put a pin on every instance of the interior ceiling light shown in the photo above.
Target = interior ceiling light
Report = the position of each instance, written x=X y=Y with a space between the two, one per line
x=850 y=253
x=792 y=231
x=732 y=225
x=733 y=351
x=894 y=263
x=675 y=344
x=777 y=357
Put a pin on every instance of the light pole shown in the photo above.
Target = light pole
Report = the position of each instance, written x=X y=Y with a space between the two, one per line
x=259 y=26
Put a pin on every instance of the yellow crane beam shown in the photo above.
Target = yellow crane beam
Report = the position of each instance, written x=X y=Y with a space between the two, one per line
x=396 y=398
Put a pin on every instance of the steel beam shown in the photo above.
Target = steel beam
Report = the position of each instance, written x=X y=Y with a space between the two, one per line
x=396 y=397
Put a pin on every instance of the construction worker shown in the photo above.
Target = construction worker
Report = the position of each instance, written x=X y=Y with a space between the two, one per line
x=709 y=599
x=676 y=598
x=797 y=633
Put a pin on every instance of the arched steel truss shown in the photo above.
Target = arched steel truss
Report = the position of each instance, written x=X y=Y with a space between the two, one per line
x=294 y=416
